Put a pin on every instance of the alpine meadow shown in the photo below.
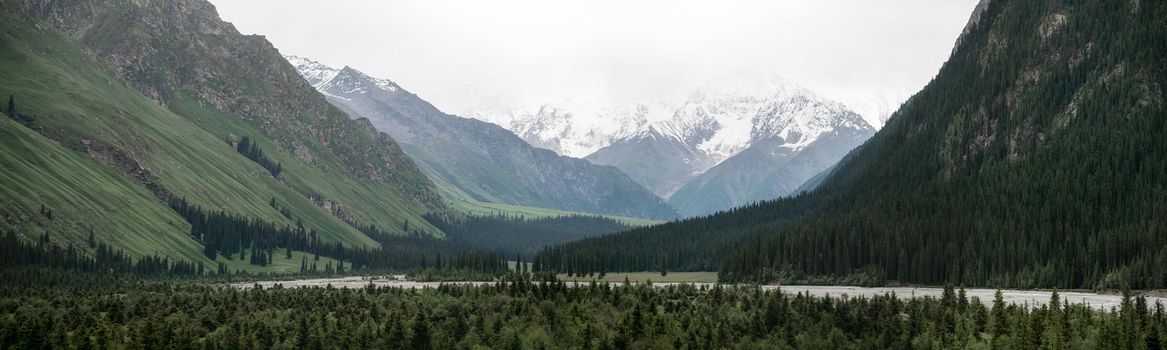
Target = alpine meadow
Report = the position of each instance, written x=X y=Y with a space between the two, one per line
x=837 y=174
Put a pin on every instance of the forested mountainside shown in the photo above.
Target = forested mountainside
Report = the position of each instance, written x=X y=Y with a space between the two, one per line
x=121 y=110
x=1035 y=158
x=471 y=159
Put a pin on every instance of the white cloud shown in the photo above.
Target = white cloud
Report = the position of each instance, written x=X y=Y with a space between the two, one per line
x=870 y=55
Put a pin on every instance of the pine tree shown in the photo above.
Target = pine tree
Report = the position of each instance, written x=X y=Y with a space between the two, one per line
x=999 y=316
x=11 y=106
x=420 y=339
x=243 y=145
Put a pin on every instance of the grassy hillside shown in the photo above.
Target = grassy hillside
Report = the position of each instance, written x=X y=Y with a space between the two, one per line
x=103 y=156
x=85 y=196
x=82 y=195
x=364 y=202
x=81 y=107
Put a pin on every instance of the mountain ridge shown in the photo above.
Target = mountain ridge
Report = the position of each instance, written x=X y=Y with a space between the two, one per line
x=721 y=121
x=480 y=160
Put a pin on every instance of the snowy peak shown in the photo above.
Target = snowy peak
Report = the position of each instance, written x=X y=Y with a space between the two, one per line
x=573 y=128
x=316 y=73
x=801 y=119
x=726 y=116
x=346 y=80
x=717 y=120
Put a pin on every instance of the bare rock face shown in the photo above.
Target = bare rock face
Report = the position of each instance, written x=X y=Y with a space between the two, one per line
x=180 y=50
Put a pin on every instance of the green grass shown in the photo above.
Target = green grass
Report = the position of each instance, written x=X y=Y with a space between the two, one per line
x=279 y=264
x=77 y=189
x=673 y=277
x=473 y=207
x=74 y=101
x=370 y=203
x=83 y=195
x=78 y=105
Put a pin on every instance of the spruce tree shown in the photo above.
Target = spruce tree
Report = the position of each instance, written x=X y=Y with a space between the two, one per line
x=999 y=316
x=420 y=339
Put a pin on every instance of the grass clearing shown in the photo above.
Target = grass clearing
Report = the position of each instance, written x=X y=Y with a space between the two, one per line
x=280 y=264
x=473 y=207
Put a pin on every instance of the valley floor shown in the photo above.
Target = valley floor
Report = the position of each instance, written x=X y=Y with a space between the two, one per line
x=1026 y=298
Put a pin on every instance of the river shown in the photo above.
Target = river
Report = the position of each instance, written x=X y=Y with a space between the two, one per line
x=1013 y=296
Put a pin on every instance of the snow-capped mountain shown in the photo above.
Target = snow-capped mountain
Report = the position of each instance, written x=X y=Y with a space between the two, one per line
x=732 y=142
x=472 y=159
x=574 y=128
x=325 y=78
x=736 y=141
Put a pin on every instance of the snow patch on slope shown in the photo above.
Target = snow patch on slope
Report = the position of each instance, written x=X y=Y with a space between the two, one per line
x=574 y=128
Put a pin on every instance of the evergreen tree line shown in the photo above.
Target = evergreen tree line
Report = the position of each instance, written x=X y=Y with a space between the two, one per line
x=16 y=252
x=694 y=244
x=252 y=151
x=228 y=234
x=516 y=234
x=1032 y=160
x=517 y=313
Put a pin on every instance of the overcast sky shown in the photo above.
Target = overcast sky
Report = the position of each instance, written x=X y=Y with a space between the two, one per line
x=870 y=55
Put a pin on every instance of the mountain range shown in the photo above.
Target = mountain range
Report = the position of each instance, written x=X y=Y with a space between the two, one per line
x=575 y=128
x=471 y=159
x=733 y=142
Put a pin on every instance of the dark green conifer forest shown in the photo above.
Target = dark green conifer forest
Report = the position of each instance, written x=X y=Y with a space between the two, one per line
x=49 y=309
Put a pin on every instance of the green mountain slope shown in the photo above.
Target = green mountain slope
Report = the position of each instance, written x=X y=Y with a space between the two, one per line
x=90 y=97
x=1035 y=158
x=82 y=195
